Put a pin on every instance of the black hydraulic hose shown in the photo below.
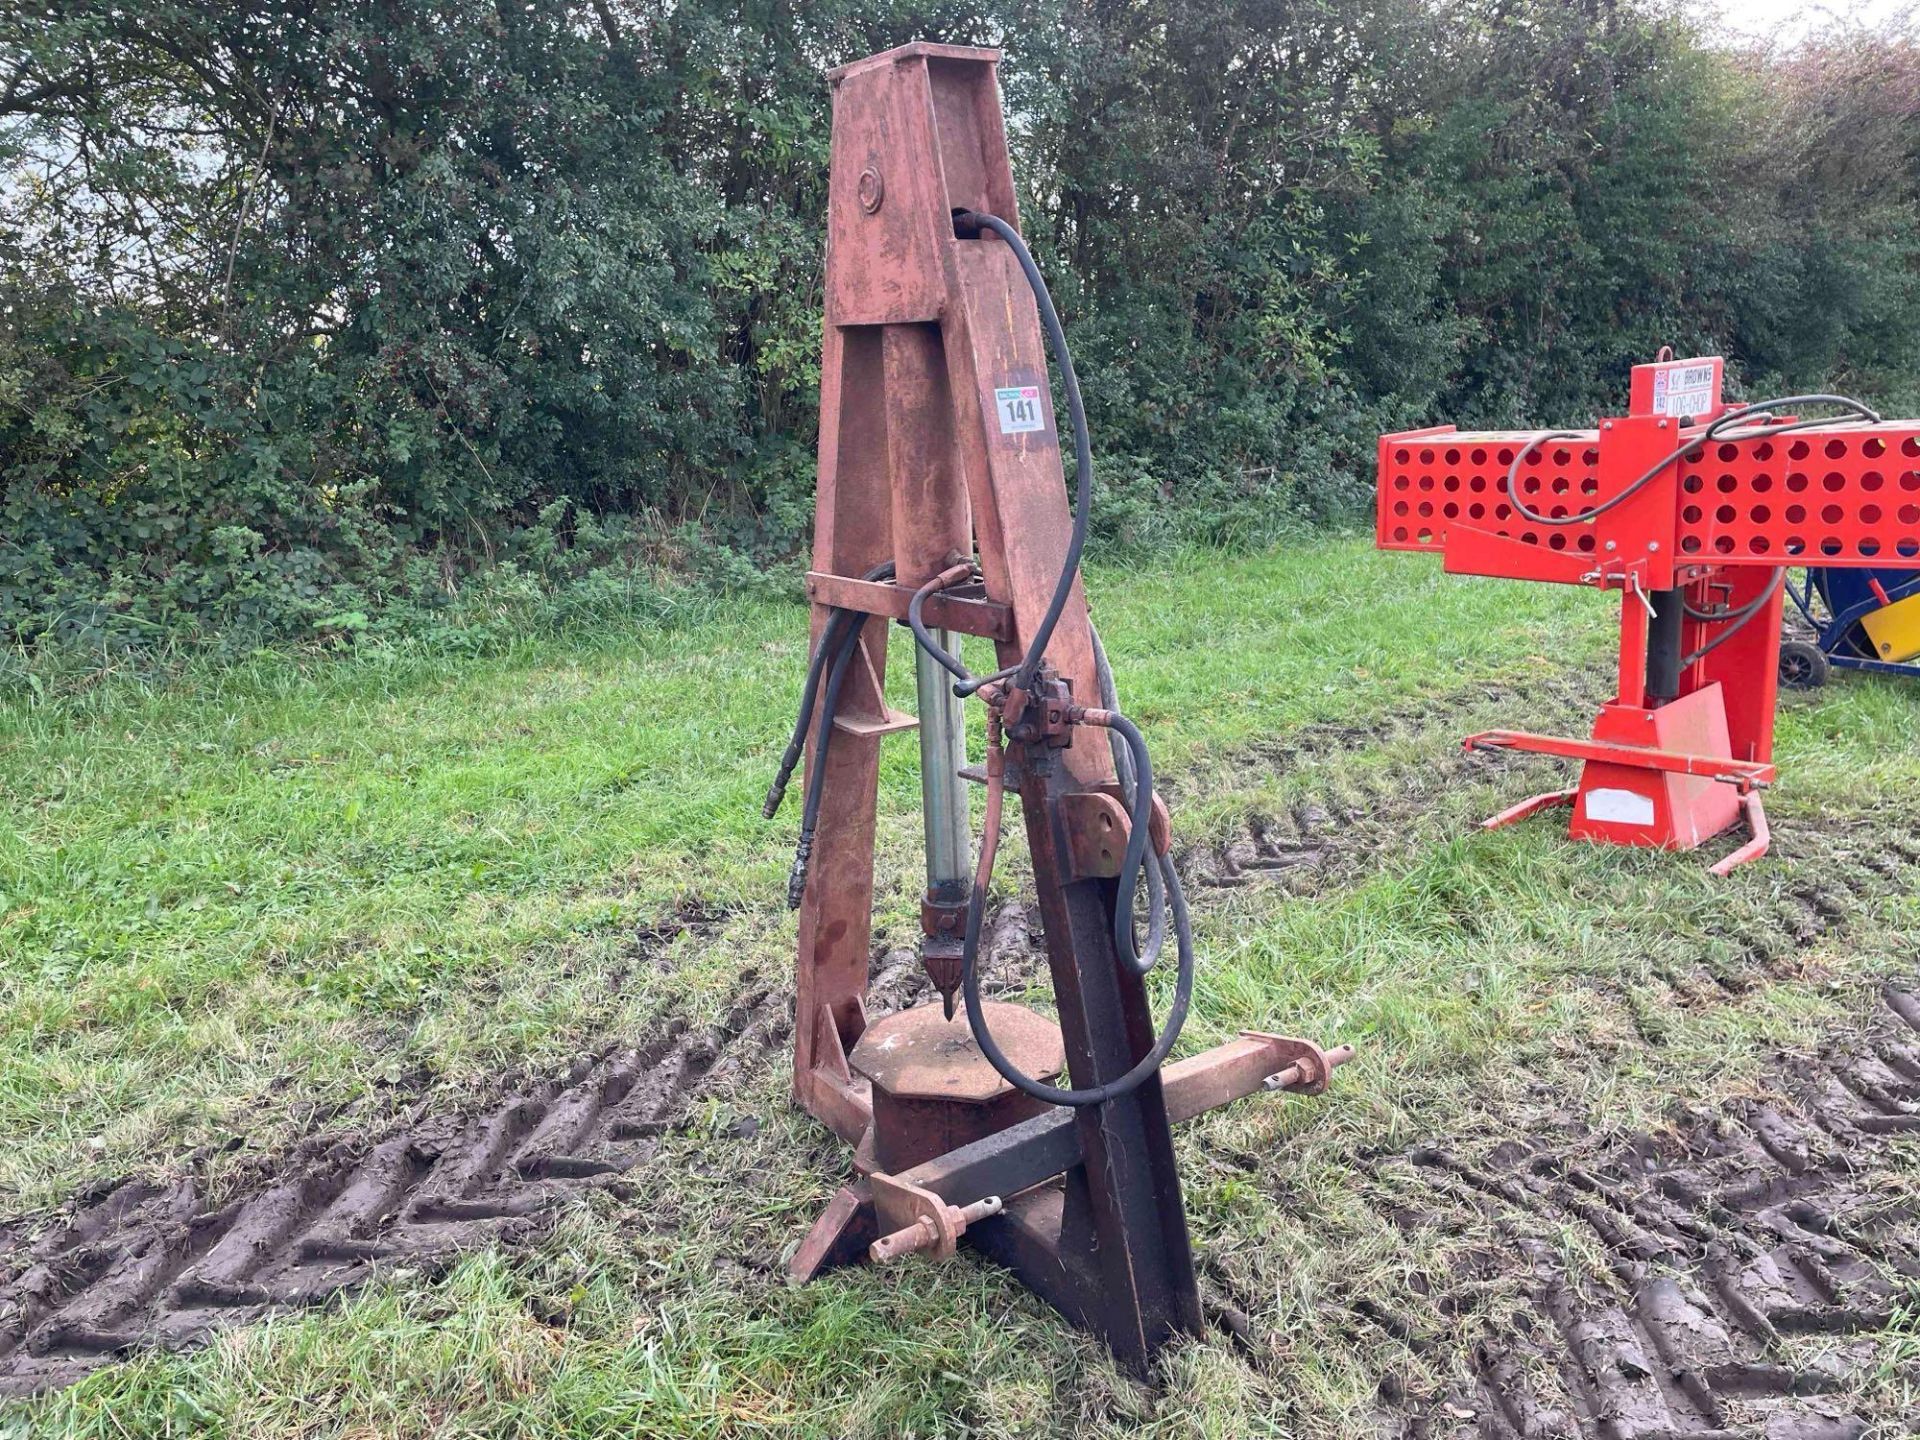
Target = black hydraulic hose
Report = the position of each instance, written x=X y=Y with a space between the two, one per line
x=1736 y=620
x=1082 y=445
x=1861 y=411
x=1143 y=1069
x=1712 y=433
x=1545 y=437
x=829 y=639
x=1110 y=697
x=1694 y=612
x=948 y=661
x=816 y=787
x=923 y=637
x=1022 y=677
x=1135 y=859
x=1158 y=867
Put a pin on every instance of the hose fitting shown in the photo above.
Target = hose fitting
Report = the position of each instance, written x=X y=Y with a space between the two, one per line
x=797 y=876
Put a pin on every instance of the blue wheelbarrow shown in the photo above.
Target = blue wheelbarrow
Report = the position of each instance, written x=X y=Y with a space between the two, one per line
x=1861 y=619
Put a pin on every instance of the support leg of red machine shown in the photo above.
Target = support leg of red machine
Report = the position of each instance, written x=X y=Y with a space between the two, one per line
x=1532 y=805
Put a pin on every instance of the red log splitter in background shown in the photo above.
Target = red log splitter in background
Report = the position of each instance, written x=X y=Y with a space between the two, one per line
x=1693 y=510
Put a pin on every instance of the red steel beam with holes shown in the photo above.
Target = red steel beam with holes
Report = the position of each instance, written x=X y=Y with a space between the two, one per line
x=1714 y=528
x=1831 y=496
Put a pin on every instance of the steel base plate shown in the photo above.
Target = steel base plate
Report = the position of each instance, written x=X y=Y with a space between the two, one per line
x=933 y=1090
x=919 y=1054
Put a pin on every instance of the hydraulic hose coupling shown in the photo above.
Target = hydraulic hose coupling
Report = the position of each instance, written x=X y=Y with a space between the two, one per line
x=1042 y=715
x=797 y=876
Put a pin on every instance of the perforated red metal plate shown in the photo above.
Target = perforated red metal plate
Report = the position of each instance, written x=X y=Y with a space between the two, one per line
x=1849 y=495
x=1431 y=478
x=1840 y=495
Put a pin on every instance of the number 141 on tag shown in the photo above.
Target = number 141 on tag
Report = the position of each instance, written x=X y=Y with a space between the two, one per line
x=1019 y=408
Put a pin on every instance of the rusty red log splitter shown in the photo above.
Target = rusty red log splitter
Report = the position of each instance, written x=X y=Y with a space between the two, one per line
x=942 y=504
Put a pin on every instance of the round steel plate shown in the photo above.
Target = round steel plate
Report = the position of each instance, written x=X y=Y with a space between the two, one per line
x=919 y=1054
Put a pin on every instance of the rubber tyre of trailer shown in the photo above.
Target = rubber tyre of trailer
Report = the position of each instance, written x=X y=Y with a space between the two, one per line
x=1803 y=665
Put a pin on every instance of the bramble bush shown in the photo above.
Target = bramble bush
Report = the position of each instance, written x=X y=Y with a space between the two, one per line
x=342 y=319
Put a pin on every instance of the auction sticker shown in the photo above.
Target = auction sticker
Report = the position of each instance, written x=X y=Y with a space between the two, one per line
x=1019 y=407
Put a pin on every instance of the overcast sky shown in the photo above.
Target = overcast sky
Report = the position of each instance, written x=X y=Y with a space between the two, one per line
x=1790 y=20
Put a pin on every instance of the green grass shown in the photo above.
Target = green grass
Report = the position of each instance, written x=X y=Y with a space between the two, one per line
x=289 y=895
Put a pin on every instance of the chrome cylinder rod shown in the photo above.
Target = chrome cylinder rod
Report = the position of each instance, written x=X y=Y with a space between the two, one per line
x=943 y=752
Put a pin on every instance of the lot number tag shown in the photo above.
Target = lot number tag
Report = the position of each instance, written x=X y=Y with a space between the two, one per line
x=1019 y=407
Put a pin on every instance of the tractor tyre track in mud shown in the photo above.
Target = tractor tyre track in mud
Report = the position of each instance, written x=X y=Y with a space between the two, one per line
x=1757 y=1255
x=1336 y=827
x=158 y=1264
x=154 y=1264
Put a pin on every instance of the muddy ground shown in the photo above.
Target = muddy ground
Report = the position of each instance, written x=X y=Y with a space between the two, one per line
x=1762 y=1260
x=1759 y=1254
x=166 y=1263
x=1334 y=829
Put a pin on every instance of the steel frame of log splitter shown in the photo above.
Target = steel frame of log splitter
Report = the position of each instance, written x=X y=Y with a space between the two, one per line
x=1692 y=510
x=937 y=432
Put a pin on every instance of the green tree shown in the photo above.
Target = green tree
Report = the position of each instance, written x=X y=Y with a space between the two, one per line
x=305 y=304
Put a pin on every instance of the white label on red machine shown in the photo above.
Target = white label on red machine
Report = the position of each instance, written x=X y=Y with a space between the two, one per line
x=1619 y=807
x=1683 y=390
x=1019 y=407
